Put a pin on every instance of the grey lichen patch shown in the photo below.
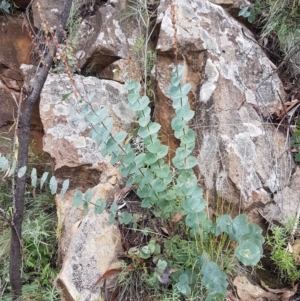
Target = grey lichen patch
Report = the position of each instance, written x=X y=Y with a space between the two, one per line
x=230 y=71
x=244 y=148
x=207 y=159
x=250 y=96
x=253 y=130
x=118 y=32
x=61 y=109
x=266 y=93
x=209 y=42
x=211 y=77
x=60 y=131
x=272 y=182
x=90 y=152
x=187 y=11
x=254 y=181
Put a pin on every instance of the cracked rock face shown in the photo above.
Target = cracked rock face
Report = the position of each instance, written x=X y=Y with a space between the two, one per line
x=14 y=50
x=88 y=245
x=241 y=157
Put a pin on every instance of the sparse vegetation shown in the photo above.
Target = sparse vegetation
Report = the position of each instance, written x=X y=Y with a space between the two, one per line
x=39 y=245
x=285 y=251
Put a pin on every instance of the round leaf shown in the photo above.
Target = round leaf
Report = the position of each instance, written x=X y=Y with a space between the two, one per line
x=22 y=171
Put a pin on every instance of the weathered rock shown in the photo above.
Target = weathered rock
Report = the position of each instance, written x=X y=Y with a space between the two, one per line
x=14 y=51
x=49 y=11
x=67 y=143
x=88 y=245
x=108 y=37
x=68 y=215
x=242 y=159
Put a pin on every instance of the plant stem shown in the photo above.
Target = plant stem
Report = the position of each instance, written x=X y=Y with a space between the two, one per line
x=18 y=202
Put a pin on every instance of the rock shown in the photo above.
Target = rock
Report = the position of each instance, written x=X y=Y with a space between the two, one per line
x=108 y=37
x=49 y=11
x=241 y=158
x=88 y=245
x=67 y=143
x=68 y=215
x=286 y=203
x=14 y=51
x=249 y=292
x=91 y=248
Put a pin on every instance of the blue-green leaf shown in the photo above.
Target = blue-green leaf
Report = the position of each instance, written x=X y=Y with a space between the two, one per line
x=111 y=144
x=182 y=153
x=88 y=195
x=183 y=111
x=65 y=187
x=178 y=123
x=132 y=97
x=194 y=219
x=185 y=89
x=33 y=177
x=13 y=167
x=189 y=116
x=194 y=205
x=248 y=253
x=3 y=164
x=53 y=185
x=175 y=80
x=158 y=185
x=140 y=104
x=43 y=178
x=99 y=206
x=120 y=136
x=187 y=163
x=85 y=206
x=174 y=92
x=116 y=155
x=151 y=129
x=150 y=158
x=114 y=207
x=111 y=218
x=78 y=198
x=22 y=171
x=180 y=102
x=146 y=203
x=96 y=117
x=188 y=137
x=139 y=160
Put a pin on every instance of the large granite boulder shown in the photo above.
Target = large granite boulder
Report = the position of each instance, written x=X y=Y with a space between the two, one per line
x=242 y=158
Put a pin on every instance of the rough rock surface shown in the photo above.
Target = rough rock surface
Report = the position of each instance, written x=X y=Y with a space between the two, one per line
x=50 y=11
x=66 y=142
x=88 y=245
x=14 y=51
x=242 y=158
x=105 y=37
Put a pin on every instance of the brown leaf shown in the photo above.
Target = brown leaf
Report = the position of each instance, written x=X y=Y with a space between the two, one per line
x=177 y=217
x=165 y=230
x=112 y=272
x=123 y=191
x=287 y=295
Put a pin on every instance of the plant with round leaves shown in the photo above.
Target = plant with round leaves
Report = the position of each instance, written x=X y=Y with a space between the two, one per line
x=160 y=188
